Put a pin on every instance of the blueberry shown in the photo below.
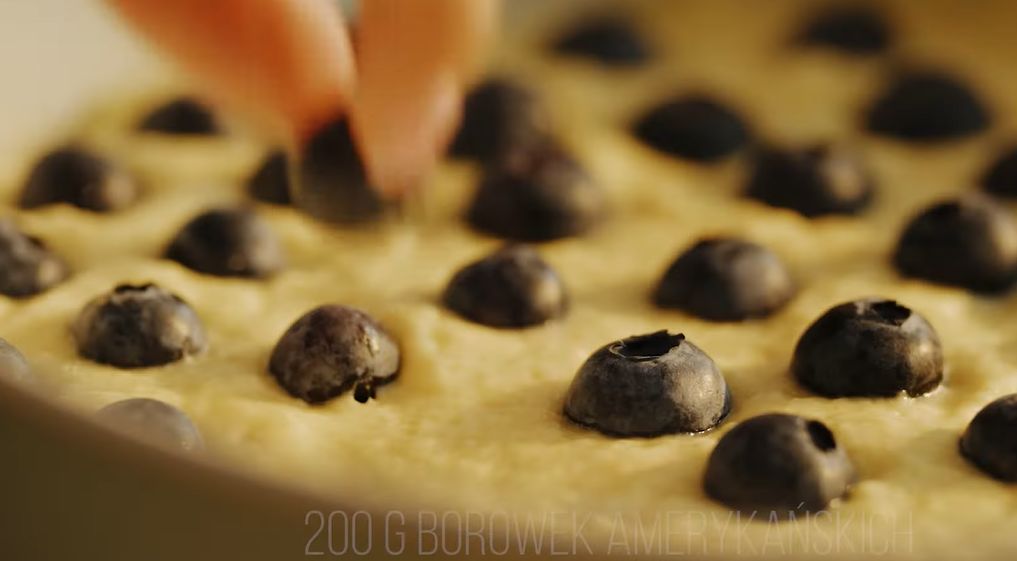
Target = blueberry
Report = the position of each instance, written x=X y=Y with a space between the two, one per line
x=333 y=349
x=969 y=242
x=990 y=441
x=13 y=366
x=184 y=116
x=228 y=243
x=153 y=421
x=609 y=41
x=694 y=128
x=333 y=184
x=76 y=176
x=270 y=183
x=537 y=196
x=27 y=268
x=725 y=279
x=775 y=464
x=512 y=287
x=500 y=117
x=869 y=348
x=852 y=29
x=927 y=106
x=815 y=181
x=1001 y=177
x=648 y=385
x=138 y=326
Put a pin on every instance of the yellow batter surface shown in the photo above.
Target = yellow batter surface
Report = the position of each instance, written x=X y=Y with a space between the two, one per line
x=474 y=420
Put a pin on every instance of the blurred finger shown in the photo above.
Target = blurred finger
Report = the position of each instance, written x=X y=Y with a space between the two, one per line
x=414 y=57
x=288 y=60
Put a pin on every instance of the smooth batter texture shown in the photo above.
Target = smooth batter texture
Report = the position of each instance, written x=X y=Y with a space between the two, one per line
x=474 y=420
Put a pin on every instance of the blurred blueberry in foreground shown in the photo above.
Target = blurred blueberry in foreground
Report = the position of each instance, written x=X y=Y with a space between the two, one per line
x=13 y=366
x=152 y=420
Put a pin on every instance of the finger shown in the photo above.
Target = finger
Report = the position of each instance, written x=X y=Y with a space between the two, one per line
x=414 y=58
x=288 y=60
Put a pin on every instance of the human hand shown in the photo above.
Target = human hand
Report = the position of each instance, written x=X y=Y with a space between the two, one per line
x=291 y=63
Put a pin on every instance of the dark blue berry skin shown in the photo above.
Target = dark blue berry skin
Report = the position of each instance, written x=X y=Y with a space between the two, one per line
x=816 y=181
x=990 y=441
x=693 y=128
x=511 y=288
x=76 y=176
x=778 y=464
x=153 y=421
x=183 y=116
x=228 y=243
x=333 y=184
x=609 y=41
x=647 y=386
x=270 y=183
x=537 y=196
x=725 y=279
x=927 y=107
x=27 y=268
x=854 y=30
x=869 y=348
x=138 y=327
x=969 y=242
x=331 y=350
x=500 y=117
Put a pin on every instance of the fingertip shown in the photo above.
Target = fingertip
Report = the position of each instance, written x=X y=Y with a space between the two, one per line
x=414 y=58
x=402 y=139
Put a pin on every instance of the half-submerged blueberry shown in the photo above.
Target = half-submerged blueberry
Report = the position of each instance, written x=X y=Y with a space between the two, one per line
x=333 y=184
x=608 y=40
x=537 y=196
x=869 y=348
x=851 y=29
x=990 y=441
x=27 y=267
x=76 y=176
x=927 y=106
x=331 y=350
x=270 y=183
x=778 y=465
x=154 y=421
x=969 y=242
x=184 y=116
x=233 y=242
x=648 y=385
x=819 y=180
x=726 y=279
x=500 y=117
x=694 y=128
x=138 y=326
x=513 y=287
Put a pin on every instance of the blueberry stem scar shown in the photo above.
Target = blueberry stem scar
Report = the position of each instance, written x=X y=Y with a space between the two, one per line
x=647 y=347
x=821 y=436
x=891 y=312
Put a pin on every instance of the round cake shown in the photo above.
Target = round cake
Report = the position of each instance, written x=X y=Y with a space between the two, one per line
x=716 y=170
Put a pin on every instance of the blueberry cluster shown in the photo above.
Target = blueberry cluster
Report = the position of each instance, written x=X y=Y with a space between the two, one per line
x=533 y=190
x=660 y=383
